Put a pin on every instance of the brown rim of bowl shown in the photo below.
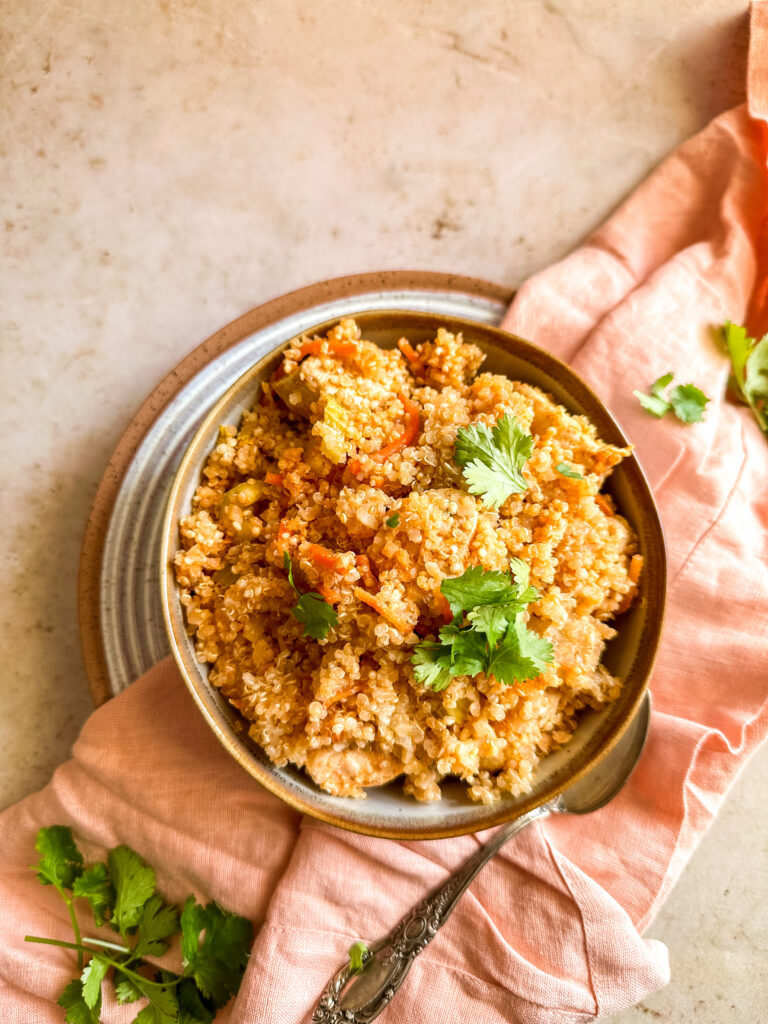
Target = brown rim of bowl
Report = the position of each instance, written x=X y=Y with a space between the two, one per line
x=608 y=430
x=92 y=549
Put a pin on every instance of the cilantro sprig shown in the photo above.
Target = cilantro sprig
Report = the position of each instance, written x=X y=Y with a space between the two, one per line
x=492 y=459
x=121 y=892
x=686 y=400
x=316 y=614
x=749 y=359
x=494 y=640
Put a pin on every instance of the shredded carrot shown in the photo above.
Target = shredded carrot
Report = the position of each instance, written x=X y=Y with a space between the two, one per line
x=324 y=558
x=443 y=606
x=603 y=502
x=363 y=564
x=321 y=346
x=410 y=354
x=408 y=436
x=276 y=479
x=331 y=596
x=635 y=568
x=378 y=606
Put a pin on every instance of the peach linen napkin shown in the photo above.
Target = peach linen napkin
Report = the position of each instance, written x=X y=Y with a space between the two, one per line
x=551 y=930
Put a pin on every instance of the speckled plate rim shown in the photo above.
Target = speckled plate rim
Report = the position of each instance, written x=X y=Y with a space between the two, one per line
x=322 y=292
x=605 y=737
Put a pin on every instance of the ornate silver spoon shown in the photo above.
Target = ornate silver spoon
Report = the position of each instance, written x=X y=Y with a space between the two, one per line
x=351 y=998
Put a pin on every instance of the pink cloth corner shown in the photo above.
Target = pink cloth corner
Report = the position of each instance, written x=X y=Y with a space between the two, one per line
x=551 y=930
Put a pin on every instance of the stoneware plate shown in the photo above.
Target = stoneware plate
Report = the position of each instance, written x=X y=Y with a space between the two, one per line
x=386 y=811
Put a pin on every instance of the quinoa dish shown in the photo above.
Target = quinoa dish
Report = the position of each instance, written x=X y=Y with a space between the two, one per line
x=398 y=566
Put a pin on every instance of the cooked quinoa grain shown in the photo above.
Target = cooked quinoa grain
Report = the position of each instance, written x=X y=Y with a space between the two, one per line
x=344 y=437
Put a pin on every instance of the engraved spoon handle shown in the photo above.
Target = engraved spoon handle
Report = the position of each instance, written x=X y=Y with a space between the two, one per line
x=359 y=998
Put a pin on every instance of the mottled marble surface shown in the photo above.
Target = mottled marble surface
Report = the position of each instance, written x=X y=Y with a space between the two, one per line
x=168 y=165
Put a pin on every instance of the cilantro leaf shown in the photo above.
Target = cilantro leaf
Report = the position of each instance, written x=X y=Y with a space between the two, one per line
x=468 y=650
x=521 y=655
x=565 y=470
x=134 y=882
x=658 y=386
x=92 y=977
x=217 y=960
x=358 y=954
x=492 y=459
x=60 y=860
x=78 y=1011
x=163 y=1006
x=95 y=885
x=125 y=989
x=739 y=346
x=158 y=921
x=316 y=614
x=432 y=664
x=686 y=400
x=749 y=359
x=688 y=403
x=495 y=640
x=193 y=1008
x=492 y=620
x=656 y=406
x=476 y=587
x=393 y=521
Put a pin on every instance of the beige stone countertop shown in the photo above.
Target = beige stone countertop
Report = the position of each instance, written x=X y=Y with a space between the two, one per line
x=169 y=164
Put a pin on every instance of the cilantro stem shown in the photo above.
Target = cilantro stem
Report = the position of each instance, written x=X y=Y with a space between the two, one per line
x=75 y=926
x=106 y=945
x=118 y=965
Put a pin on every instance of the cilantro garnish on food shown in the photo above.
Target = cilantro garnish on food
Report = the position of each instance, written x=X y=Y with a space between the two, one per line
x=749 y=359
x=565 y=470
x=686 y=400
x=393 y=521
x=358 y=954
x=494 y=639
x=214 y=943
x=316 y=614
x=492 y=459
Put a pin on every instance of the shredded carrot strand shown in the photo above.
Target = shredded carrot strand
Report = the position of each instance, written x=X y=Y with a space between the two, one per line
x=635 y=568
x=408 y=435
x=276 y=479
x=324 y=558
x=331 y=596
x=604 y=504
x=410 y=354
x=321 y=346
x=378 y=606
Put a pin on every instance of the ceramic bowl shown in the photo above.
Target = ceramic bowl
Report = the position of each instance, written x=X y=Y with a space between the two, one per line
x=386 y=811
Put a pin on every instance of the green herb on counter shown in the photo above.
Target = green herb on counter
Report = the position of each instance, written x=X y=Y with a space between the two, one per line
x=121 y=892
x=686 y=400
